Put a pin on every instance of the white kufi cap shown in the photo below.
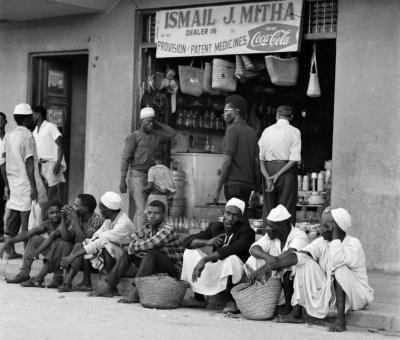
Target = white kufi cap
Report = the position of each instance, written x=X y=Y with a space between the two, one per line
x=111 y=200
x=147 y=112
x=236 y=203
x=278 y=214
x=342 y=218
x=23 y=109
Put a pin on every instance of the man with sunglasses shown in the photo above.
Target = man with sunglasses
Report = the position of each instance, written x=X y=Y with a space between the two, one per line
x=240 y=173
x=330 y=272
x=280 y=238
x=219 y=271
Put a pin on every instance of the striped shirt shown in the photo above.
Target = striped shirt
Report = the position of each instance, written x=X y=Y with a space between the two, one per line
x=164 y=239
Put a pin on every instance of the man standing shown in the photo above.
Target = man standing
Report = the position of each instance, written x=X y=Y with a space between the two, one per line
x=20 y=173
x=330 y=272
x=219 y=271
x=240 y=171
x=138 y=153
x=3 y=122
x=280 y=152
x=50 y=153
x=53 y=248
x=155 y=248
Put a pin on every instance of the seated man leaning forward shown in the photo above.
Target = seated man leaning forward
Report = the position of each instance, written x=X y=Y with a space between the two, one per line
x=53 y=248
x=281 y=238
x=330 y=272
x=155 y=248
x=217 y=272
x=115 y=229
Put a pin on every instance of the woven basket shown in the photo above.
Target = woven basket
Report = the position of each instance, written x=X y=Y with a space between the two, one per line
x=223 y=75
x=257 y=301
x=160 y=291
x=191 y=80
x=283 y=72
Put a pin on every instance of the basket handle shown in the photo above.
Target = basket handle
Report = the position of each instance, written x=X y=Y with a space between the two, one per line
x=314 y=60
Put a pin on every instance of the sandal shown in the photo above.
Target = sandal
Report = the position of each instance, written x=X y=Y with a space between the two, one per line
x=32 y=283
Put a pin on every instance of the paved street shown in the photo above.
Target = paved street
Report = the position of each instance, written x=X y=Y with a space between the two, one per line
x=35 y=313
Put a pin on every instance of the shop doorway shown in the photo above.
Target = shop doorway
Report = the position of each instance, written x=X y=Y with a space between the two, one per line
x=59 y=83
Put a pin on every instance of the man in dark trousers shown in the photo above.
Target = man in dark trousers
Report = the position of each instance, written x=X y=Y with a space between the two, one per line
x=240 y=171
x=3 y=122
x=280 y=152
x=138 y=158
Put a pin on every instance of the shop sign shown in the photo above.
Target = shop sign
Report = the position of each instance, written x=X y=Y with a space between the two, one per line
x=260 y=27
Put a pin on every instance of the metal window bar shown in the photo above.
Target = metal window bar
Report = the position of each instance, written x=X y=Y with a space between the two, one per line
x=149 y=28
x=321 y=16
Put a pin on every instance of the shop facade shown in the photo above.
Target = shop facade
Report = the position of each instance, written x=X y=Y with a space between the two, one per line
x=365 y=138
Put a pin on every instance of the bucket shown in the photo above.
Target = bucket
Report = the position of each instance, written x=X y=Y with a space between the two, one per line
x=179 y=182
x=177 y=207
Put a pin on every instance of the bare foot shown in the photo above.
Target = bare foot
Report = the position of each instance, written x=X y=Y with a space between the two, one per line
x=105 y=291
x=83 y=288
x=289 y=319
x=338 y=326
x=133 y=297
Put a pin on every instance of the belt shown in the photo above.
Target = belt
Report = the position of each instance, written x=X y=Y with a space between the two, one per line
x=143 y=171
x=276 y=161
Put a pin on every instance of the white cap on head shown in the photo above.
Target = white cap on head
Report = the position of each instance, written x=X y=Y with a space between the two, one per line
x=23 y=109
x=342 y=218
x=236 y=203
x=147 y=112
x=111 y=200
x=279 y=213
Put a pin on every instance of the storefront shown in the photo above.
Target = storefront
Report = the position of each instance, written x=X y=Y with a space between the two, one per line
x=358 y=106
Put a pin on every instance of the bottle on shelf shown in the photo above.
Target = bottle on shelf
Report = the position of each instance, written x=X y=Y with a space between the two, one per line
x=179 y=120
x=206 y=122
x=200 y=120
x=188 y=121
x=207 y=146
x=212 y=121
x=195 y=119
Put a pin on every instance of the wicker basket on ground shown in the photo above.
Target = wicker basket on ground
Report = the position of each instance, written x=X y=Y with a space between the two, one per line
x=160 y=291
x=257 y=301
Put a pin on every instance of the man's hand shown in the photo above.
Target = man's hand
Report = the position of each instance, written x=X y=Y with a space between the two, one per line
x=262 y=274
x=274 y=178
x=216 y=241
x=57 y=168
x=34 y=194
x=123 y=188
x=269 y=185
x=197 y=270
x=6 y=195
x=66 y=261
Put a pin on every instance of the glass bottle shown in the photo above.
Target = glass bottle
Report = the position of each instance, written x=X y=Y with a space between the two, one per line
x=212 y=121
x=206 y=122
x=195 y=119
x=179 y=120
x=207 y=146
x=188 y=121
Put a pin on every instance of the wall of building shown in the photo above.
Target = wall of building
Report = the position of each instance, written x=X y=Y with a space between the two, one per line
x=109 y=39
x=366 y=142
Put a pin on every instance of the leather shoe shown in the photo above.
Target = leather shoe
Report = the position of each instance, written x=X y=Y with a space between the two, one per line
x=32 y=283
x=231 y=307
x=20 y=277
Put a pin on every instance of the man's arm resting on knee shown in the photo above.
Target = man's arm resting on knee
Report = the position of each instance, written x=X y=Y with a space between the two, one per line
x=201 y=264
x=22 y=236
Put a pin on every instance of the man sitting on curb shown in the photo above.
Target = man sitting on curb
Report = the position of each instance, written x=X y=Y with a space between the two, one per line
x=53 y=249
x=156 y=248
x=281 y=237
x=330 y=272
x=217 y=272
x=115 y=229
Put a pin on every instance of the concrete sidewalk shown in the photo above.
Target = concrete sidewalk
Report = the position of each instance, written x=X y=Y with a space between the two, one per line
x=382 y=315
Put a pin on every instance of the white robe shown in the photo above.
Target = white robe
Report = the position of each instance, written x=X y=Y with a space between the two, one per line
x=313 y=282
x=214 y=277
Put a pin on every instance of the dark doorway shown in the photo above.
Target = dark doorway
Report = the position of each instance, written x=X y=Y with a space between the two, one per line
x=59 y=83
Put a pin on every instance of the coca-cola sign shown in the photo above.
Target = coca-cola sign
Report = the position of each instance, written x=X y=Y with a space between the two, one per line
x=245 y=28
x=272 y=37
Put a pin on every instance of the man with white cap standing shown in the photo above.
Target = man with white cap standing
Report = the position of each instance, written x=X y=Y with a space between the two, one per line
x=115 y=229
x=330 y=272
x=20 y=173
x=137 y=156
x=281 y=237
x=219 y=271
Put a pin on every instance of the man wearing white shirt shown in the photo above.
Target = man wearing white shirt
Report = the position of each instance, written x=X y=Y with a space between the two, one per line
x=3 y=122
x=280 y=152
x=50 y=152
x=331 y=272
x=281 y=237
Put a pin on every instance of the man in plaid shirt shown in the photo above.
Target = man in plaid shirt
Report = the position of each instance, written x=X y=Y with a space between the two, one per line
x=155 y=248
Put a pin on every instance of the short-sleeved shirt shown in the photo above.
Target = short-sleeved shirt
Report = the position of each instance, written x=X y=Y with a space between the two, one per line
x=47 y=227
x=240 y=142
x=280 y=142
x=162 y=178
x=140 y=147
x=45 y=139
x=91 y=226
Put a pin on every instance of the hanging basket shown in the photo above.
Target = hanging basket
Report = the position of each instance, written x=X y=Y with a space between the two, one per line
x=223 y=75
x=257 y=301
x=191 y=80
x=160 y=291
x=283 y=72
